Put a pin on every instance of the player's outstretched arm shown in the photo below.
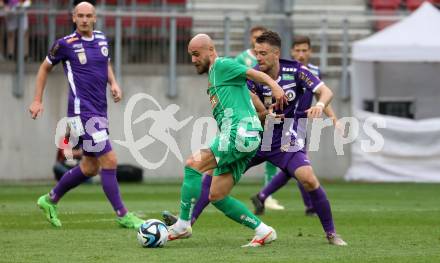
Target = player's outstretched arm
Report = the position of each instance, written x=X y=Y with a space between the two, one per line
x=324 y=95
x=114 y=87
x=259 y=107
x=36 y=108
x=263 y=78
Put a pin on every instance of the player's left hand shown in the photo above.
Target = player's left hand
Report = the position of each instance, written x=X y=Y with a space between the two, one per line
x=315 y=111
x=116 y=92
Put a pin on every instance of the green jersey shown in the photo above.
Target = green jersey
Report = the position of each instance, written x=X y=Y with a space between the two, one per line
x=229 y=96
x=246 y=58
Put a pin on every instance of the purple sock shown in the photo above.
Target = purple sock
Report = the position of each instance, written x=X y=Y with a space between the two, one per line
x=276 y=183
x=111 y=190
x=305 y=196
x=322 y=207
x=70 y=179
x=203 y=199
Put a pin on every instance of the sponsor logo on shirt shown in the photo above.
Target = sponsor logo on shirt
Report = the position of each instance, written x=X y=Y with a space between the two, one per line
x=53 y=51
x=288 y=69
x=79 y=45
x=214 y=100
x=70 y=40
x=306 y=79
x=288 y=77
x=103 y=43
x=290 y=85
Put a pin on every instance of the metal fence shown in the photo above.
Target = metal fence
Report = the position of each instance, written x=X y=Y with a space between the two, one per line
x=145 y=37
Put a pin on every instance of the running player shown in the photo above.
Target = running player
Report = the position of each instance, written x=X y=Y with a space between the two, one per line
x=230 y=151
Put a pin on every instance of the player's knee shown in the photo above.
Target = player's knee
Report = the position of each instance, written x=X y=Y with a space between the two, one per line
x=216 y=195
x=90 y=169
x=307 y=178
x=193 y=163
x=190 y=162
x=109 y=161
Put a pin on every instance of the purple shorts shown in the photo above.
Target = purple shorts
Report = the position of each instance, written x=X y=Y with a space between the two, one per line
x=93 y=135
x=286 y=161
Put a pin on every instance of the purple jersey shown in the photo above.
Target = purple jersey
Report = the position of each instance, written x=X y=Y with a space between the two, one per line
x=85 y=62
x=296 y=80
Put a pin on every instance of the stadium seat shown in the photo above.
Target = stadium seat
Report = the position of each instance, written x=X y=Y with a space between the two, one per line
x=384 y=7
x=385 y=4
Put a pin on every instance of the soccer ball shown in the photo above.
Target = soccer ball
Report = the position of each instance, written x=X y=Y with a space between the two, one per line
x=153 y=233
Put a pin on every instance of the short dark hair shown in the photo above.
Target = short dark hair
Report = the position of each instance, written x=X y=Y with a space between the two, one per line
x=258 y=28
x=298 y=40
x=270 y=37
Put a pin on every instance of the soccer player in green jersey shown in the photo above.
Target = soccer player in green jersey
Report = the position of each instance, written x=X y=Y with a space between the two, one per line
x=234 y=146
x=249 y=59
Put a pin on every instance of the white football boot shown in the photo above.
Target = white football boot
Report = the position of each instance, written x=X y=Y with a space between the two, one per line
x=259 y=241
x=272 y=203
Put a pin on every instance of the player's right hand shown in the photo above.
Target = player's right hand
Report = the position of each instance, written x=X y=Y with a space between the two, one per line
x=36 y=109
x=280 y=98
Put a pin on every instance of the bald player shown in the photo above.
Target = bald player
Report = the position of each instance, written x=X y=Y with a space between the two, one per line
x=234 y=146
x=85 y=58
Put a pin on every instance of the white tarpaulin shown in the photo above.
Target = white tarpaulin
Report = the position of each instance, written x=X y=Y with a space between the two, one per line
x=400 y=63
x=415 y=38
x=410 y=153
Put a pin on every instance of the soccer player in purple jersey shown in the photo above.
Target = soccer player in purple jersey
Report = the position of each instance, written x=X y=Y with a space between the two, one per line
x=85 y=59
x=301 y=51
x=285 y=148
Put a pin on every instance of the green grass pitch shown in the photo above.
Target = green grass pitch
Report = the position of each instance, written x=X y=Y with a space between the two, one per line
x=381 y=223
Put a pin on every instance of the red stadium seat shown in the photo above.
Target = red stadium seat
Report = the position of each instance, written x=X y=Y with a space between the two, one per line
x=385 y=4
x=384 y=7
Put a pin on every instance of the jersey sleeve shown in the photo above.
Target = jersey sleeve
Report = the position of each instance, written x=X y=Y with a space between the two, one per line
x=307 y=80
x=230 y=69
x=57 y=53
x=239 y=59
x=252 y=86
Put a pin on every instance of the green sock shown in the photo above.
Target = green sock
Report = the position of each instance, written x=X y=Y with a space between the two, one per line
x=237 y=211
x=270 y=171
x=189 y=192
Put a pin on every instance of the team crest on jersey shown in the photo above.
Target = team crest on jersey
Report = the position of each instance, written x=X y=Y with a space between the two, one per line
x=104 y=51
x=214 y=100
x=290 y=95
x=82 y=58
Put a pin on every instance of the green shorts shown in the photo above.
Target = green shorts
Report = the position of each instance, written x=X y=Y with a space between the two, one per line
x=233 y=155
